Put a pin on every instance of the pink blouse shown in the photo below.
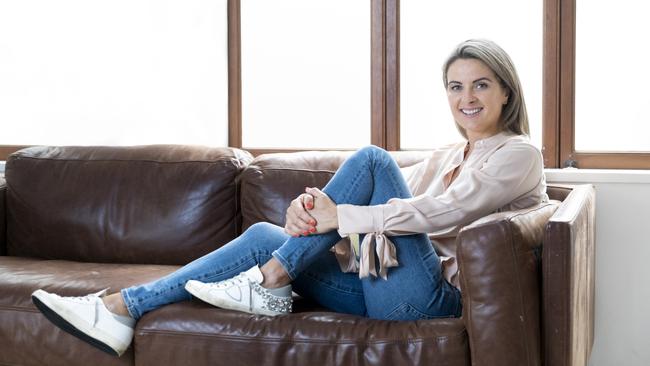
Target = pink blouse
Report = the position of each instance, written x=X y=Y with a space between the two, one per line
x=503 y=172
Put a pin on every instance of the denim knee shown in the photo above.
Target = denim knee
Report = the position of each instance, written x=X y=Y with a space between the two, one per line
x=262 y=225
x=264 y=234
x=372 y=150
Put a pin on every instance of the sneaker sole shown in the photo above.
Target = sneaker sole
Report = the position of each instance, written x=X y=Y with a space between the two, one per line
x=225 y=304
x=46 y=308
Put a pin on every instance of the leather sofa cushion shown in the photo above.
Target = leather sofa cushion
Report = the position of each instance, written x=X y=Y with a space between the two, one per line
x=23 y=326
x=144 y=204
x=192 y=333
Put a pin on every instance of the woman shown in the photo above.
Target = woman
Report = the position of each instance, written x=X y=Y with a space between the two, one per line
x=496 y=168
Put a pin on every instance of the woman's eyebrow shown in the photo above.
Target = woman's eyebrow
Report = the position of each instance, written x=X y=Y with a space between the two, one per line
x=485 y=78
x=481 y=79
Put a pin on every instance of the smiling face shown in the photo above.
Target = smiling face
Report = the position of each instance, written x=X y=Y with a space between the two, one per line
x=476 y=98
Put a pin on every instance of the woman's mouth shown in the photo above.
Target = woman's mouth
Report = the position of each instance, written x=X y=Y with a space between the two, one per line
x=471 y=112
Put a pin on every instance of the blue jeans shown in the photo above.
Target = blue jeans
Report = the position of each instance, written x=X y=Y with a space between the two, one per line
x=414 y=290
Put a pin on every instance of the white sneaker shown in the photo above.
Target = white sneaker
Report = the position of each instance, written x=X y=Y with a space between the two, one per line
x=87 y=318
x=244 y=293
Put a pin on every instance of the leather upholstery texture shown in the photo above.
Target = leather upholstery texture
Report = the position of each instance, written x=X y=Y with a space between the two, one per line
x=498 y=258
x=3 y=218
x=187 y=333
x=76 y=220
x=569 y=280
x=27 y=338
x=122 y=204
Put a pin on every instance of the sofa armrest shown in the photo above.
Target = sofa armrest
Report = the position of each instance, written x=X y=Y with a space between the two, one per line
x=569 y=278
x=3 y=217
x=498 y=257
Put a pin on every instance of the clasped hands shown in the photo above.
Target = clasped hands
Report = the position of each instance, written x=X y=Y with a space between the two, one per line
x=313 y=212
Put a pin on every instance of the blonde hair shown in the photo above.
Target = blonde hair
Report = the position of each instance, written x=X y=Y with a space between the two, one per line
x=513 y=115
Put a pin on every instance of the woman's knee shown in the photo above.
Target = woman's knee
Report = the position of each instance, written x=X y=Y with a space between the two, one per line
x=261 y=226
x=265 y=230
x=373 y=154
x=371 y=150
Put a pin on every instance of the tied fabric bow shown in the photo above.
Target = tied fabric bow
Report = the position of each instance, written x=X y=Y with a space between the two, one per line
x=386 y=254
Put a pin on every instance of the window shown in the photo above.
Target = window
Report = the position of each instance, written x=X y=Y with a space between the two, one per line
x=113 y=73
x=342 y=73
x=429 y=30
x=305 y=71
x=611 y=76
x=585 y=124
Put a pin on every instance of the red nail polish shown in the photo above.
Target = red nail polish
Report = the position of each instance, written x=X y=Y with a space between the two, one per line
x=313 y=230
x=305 y=233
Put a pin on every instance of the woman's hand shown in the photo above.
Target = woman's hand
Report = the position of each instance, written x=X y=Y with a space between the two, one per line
x=298 y=220
x=324 y=211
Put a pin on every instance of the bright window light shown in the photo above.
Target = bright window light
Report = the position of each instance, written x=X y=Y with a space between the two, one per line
x=124 y=72
x=305 y=73
x=429 y=30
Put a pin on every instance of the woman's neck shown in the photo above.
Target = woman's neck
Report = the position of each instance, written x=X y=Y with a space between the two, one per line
x=472 y=139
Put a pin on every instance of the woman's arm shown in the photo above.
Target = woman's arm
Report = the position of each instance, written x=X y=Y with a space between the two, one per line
x=511 y=172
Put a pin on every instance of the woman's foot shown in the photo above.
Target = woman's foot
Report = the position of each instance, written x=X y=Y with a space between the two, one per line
x=88 y=319
x=244 y=292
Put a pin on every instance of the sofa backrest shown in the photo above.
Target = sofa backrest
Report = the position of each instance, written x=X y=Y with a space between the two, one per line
x=271 y=181
x=159 y=204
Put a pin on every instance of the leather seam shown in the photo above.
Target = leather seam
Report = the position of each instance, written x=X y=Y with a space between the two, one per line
x=440 y=339
x=465 y=290
x=134 y=160
x=293 y=169
x=17 y=308
x=513 y=252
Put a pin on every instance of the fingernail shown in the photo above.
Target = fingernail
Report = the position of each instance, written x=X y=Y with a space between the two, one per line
x=313 y=230
x=312 y=222
x=310 y=206
x=305 y=233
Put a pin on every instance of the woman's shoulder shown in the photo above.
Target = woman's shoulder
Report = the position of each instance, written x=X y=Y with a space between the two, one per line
x=519 y=143
x=517 y=150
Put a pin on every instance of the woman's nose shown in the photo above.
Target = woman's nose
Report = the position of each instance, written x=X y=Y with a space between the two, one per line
x=468 y=96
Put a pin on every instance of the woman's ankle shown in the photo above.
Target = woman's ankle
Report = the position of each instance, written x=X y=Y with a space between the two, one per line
x=275 y=275
x=115 y=304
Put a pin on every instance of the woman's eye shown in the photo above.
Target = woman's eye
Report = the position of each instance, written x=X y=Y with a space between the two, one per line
x=481 y=86
x=454 y=87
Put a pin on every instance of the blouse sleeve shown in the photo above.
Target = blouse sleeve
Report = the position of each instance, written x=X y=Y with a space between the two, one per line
x=512 y=171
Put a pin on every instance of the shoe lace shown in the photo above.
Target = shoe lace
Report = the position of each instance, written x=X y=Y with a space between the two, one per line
x=237 y=280
x=89 y=299
x=85 y=299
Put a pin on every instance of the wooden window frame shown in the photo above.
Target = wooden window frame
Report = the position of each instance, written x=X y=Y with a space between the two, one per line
x=564 y=89
x=558 y=130
x=384 y=83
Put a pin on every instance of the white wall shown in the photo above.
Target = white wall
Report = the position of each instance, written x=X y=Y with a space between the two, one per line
x=622 y=329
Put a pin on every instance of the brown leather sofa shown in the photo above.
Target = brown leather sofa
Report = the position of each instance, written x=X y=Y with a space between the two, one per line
x=75 y=220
